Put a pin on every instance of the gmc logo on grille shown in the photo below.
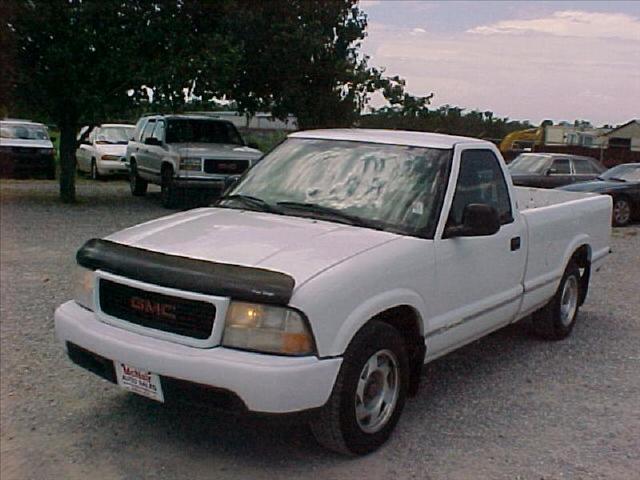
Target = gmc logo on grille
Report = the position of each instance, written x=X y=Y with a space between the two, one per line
x=162 y=310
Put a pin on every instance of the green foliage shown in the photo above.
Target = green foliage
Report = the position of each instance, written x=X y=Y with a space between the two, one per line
x=446 y=119
x=264 y=139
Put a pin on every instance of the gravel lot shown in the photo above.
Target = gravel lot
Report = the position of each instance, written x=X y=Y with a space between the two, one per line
x=508 y=406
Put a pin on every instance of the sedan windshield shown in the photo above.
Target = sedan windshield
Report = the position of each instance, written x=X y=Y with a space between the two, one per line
x=627 y=173
x=115 y=135
x=23 y=131
x=190 y=130
x=528 y=164
x=392 y=187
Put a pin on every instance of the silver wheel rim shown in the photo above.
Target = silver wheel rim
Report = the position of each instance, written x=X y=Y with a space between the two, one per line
x=621 y=211
x=569 y=300
x=377 y=391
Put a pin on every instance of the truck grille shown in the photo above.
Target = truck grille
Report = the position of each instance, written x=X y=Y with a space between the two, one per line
x=225 y=167
x=191 y=318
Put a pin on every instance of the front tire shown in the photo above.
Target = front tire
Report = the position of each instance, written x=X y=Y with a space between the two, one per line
x=556 y=320
x=169 y=193
x=621 y=215
x=369 y=393
x=137 y=185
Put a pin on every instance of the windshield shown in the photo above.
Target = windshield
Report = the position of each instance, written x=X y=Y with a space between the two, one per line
x=400 y=188
x=528 y=164
x=116 y=135
x=202 y=131
x=628 y=173
x=23 y=131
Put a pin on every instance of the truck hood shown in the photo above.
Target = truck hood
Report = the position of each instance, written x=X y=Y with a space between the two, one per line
x=218 y=150
x=111 y=149
x=20 y=142
x=300 y=247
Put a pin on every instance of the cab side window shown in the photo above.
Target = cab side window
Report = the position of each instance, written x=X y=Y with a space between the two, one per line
x=159 y=131
x=147 y=130
x=583 y=166
x=561 y=166
x=480 y=180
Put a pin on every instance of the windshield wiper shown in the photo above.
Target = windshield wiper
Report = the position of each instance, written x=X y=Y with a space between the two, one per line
x=336 y=214
x=254 y=202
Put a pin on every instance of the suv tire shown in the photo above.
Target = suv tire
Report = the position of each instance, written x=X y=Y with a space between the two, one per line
x=169 y=193
x=137 y=185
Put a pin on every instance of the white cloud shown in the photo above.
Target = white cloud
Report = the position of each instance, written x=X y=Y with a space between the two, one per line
x=570 y=23
x=531 y=75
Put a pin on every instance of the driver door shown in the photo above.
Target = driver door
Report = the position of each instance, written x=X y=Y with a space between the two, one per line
x=479 y=278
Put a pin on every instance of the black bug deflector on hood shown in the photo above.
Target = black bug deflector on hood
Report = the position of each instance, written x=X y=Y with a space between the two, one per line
x=201 y=276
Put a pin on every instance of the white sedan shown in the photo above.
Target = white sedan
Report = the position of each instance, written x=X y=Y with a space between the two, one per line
x=102 y=149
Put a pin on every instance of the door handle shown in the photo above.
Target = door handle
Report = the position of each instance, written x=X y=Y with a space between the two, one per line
x=515 y=244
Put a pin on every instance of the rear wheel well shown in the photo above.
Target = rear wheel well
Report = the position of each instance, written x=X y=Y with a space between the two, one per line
x=582 y=258
x=406 y=320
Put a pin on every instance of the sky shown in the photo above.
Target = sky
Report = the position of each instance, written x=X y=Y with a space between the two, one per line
x=524 y=60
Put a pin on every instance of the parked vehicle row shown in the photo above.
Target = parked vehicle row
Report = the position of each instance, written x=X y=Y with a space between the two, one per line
x=26 y=150
x=325 y=278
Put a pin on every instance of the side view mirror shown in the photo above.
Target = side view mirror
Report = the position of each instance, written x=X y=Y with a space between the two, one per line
x=152 y=141
x=550 y=171
x=478 y=220
x=231 y=182
x=53 y=139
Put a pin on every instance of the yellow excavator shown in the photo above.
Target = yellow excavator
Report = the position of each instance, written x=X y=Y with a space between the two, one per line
x=522 y=140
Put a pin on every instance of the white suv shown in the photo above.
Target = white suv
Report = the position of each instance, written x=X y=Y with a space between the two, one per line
x=182 y=152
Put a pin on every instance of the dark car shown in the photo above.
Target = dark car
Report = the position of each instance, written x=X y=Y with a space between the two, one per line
x=623 y=184
x=25 y=150
x=551 y=170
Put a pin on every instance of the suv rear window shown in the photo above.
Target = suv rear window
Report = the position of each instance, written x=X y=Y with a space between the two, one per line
x=189 y=130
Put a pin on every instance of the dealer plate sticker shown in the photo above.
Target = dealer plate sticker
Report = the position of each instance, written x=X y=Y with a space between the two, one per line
x=139 y=381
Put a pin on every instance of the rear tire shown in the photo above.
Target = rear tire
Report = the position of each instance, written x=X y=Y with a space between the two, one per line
x=621 y=214
x=556 y=320
x=169 y=193
x=368 y=395
x=137 y=185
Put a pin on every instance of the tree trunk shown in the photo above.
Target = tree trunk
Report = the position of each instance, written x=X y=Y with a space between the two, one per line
x=68 y=162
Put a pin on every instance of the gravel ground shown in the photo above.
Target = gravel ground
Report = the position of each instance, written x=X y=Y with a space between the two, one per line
x=507 y=406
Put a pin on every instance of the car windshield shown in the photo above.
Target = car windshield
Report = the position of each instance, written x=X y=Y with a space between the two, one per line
x=115 y=135
x=397 y=188
x=202 y=131
x=628 y=173
x=528 y=164
x=23 y=131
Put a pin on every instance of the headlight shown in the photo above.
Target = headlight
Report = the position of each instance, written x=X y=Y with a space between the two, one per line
x=84 y=287
x=266 y=328
x=115 y=158
x=191 y=164
x=46 y=151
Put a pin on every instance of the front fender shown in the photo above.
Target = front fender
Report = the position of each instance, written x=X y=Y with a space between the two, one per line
x=372 y=307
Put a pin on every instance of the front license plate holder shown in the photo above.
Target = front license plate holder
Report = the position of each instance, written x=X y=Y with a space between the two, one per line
x=139 y=381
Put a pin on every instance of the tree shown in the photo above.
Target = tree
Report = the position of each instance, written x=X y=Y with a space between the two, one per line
x=302 y=57
x=79 y=62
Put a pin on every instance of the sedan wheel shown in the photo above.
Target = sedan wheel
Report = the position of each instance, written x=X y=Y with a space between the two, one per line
x=621 y=212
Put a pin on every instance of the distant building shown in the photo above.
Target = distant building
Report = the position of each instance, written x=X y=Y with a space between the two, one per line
x=557 y=135
x=259 y=121
x=625 y=137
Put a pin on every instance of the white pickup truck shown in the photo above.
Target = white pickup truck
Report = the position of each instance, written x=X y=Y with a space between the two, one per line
x=325 y=279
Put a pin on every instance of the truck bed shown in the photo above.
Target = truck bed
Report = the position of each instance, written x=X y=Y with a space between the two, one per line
x=559 y=223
